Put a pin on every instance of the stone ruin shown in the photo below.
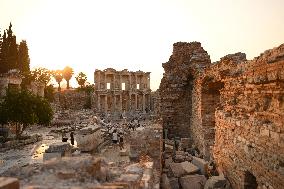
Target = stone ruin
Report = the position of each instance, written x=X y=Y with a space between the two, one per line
x=122 y=91
x=13 y=80
x=231 y=110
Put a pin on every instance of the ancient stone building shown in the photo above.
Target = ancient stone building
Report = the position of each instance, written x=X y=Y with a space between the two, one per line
x=232 y=110
x=9 y=80
x=119 y=91
x=13 y=80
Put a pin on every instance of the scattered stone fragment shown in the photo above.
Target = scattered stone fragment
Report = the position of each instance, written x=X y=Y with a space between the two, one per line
x=192 y=182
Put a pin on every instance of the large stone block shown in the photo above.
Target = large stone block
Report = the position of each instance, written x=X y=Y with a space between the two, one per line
x=49 y=156
x=9 y=183
x=201 y=164
x=174 y=183
x=60 y=147
x=192 y=182
x=181 y=169
x=216 y=182
x=89 y=138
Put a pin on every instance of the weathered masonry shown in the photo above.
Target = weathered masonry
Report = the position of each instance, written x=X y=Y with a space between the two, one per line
x=119 y=91
x=232 y=110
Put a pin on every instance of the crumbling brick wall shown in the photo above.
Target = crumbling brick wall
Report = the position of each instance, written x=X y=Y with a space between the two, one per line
x=187 y=60
x=249 y=127
x=73 y=99
x=235 y=114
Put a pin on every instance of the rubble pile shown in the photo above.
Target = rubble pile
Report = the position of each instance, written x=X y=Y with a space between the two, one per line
x=182 y=169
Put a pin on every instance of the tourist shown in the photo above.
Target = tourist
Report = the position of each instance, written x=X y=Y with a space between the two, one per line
x=114 y=137
x=72 y=137
x=121 y=143
x=64 y=137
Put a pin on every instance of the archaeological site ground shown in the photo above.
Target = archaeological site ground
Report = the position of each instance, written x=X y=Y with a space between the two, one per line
x=210 y=125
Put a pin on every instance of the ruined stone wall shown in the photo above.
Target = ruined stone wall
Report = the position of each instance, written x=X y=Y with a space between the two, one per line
x=235 y=115
x=187 y=60
x=249 y=127
x=72 y=99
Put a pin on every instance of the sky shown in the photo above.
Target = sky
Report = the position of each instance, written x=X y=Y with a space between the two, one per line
x=138 y=34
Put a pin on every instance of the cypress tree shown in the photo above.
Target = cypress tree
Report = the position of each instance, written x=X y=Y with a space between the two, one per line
x=3 y=54
x=23 y=57
x=12 y=53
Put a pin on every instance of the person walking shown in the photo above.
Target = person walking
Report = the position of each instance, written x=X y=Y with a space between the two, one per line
x=121 y=142
x=114 y=137
x=72 y=138
x=64 y=137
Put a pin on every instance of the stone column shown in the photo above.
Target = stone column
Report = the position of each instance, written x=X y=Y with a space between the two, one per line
x=114 y=103
x=136 y=82
x=136 y=101
x=106 y=106
x=119 y=82
x=143 y=103
x=149 y=102
x=130 y=103
x=130 y=82
x=105 y=82
x=113 y=83
x=99 y=103
x=120 y=103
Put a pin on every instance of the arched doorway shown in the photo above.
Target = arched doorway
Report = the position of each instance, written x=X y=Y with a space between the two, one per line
x=249 y=181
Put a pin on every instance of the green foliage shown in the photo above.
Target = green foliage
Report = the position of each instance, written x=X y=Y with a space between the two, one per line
x=87 y=89
x=11 y=50
x=58 y=76
x=23 y=57
x=49 y=93
x=88 y=104
x=42 y=75
x=25 y=108
x=43 y=110
x=12 y=55
x=67 y=74
x=81 y=79
x=27 y=78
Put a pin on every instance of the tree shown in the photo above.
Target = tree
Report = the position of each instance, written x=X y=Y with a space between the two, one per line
x=12 y=53
x=3 y=54
x=49 y=93
x=57 y=74
x=9 y=51
x=24 y=108
x=67 y=74
x=42 y=75
x=27 y=78
x=81 y=79
x=23 y=57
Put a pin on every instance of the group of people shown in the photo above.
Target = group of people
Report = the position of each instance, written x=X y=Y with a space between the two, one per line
x=65 y=138
x=117 y=138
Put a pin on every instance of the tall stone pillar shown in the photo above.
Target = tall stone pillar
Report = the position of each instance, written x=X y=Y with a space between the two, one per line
x=113 y=83
x=105 y=82
x=130 y=82
x=136 y=82
x=114 y=103
x=120 y=103
x=136 y=103
x=143 y=103
x=119 y=82
x=106 y=106
x=99 y=103
x=130 y=103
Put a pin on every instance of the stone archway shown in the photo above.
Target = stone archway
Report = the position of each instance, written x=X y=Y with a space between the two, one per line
x=250 y=181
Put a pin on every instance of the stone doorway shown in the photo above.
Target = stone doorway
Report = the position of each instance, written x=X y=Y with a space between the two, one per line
x=250 y=181
x=210 y=100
